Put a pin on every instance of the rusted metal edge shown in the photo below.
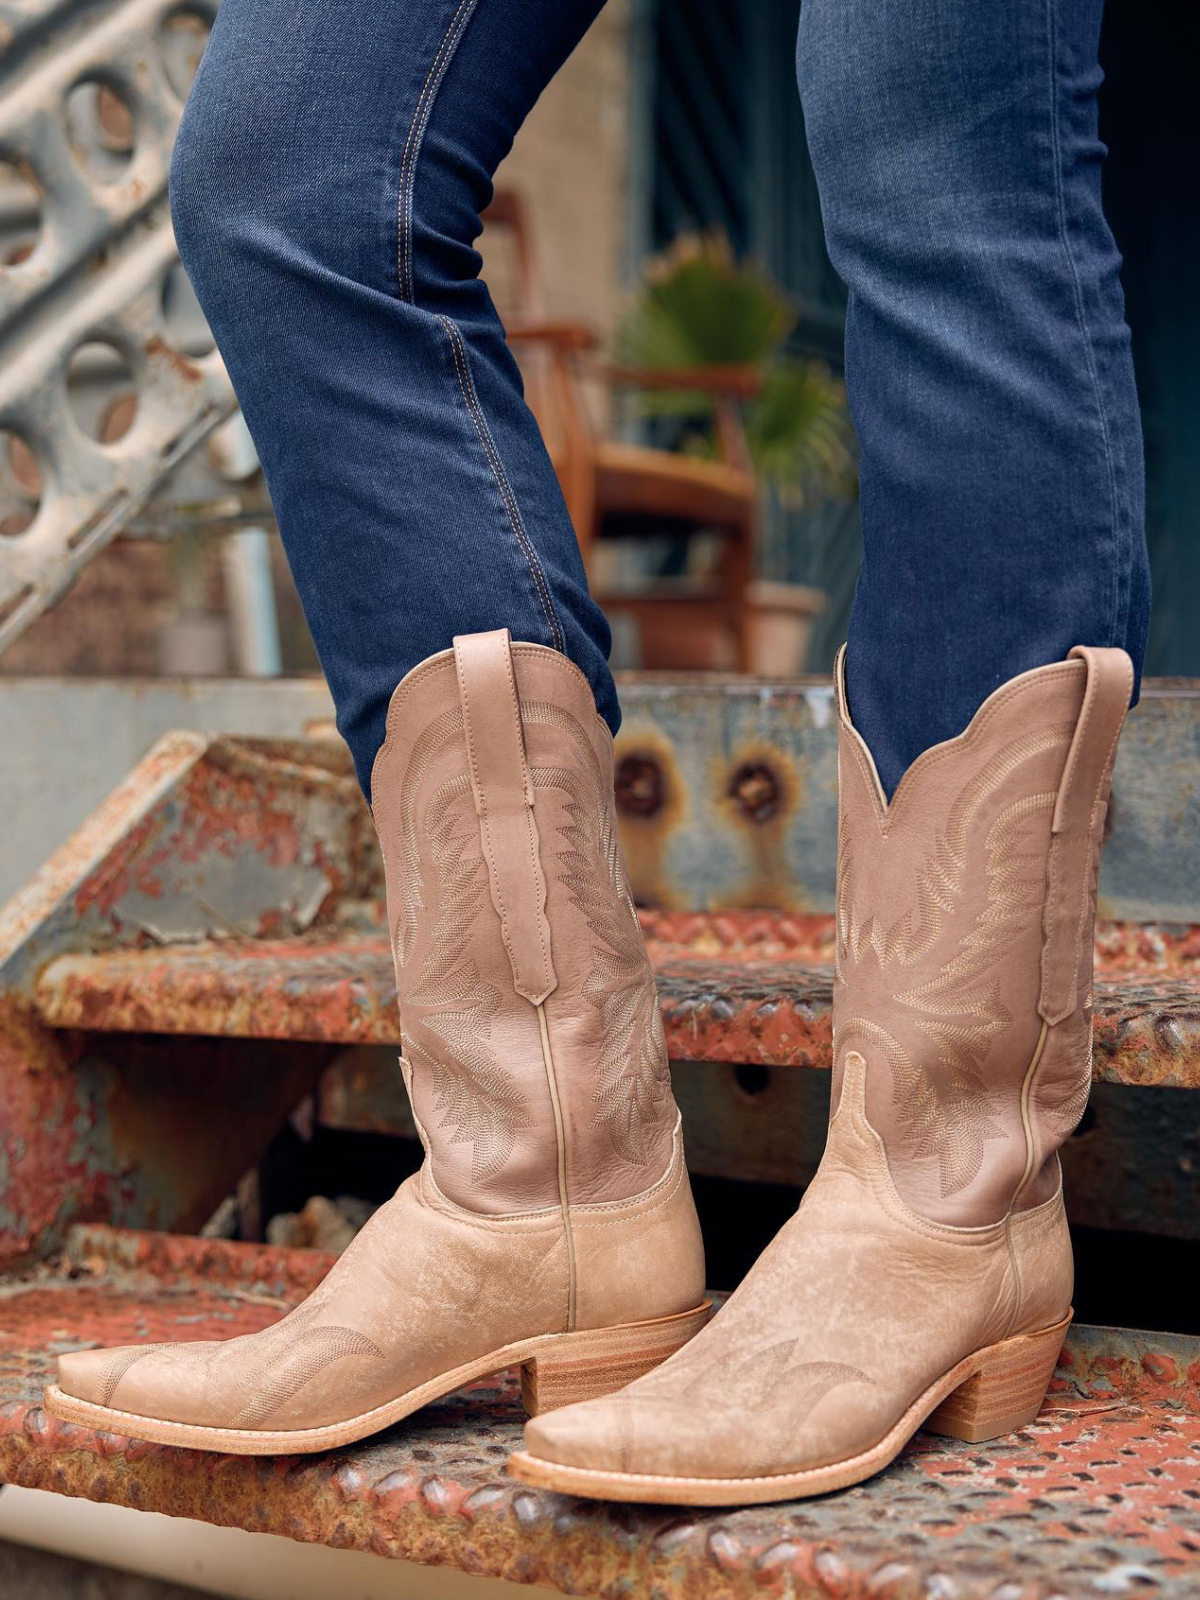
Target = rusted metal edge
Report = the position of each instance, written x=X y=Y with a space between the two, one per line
x=182 y=1258
x=776 y=1013
x=208 y=836
x=726 y=792
x=334 y=990
x=111 y=826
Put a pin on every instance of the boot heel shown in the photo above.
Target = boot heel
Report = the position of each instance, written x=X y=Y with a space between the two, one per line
x=1007 y=1390
x=583 y=1366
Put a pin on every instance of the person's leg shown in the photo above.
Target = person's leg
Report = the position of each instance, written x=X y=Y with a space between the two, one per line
x=987 y=356
x=326 y=186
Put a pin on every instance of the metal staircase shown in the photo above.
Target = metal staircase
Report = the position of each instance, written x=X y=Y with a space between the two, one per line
x=210 y=949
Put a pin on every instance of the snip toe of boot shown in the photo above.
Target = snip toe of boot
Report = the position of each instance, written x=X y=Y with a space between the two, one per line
x=88 y=1374
x=105 y=1377
x=604 y=1434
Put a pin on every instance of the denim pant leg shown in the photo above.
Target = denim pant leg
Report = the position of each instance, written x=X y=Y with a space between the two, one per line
x=326 y=186
x=987 y=357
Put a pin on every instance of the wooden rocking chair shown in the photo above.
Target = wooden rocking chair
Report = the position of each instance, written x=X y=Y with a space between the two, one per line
x=617 y=489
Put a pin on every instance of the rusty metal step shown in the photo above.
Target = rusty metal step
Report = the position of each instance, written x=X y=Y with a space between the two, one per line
x=755 y=1003
x=1100 y=1496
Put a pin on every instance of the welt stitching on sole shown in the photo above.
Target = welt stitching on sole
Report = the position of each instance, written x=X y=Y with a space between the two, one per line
x=602 y=1475
x=103 y=1417
x=416 y=131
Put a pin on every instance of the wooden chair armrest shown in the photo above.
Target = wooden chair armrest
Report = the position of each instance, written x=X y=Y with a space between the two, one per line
x=728 y=385
x=732 y=382
x=559 y=335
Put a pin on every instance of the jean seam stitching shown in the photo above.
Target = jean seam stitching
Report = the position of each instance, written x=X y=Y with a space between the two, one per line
x=1080 y=311
x=467 y=385
x=412 y=144
x=407 y=289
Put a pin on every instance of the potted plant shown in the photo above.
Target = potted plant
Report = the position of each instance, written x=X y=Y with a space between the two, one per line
x=699 y=306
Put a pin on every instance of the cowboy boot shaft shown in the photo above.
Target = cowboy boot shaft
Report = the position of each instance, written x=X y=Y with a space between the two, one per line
x=965 y=914
x=532 y=1034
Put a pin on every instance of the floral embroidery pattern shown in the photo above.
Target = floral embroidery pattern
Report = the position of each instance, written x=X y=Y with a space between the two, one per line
x=944 y=1099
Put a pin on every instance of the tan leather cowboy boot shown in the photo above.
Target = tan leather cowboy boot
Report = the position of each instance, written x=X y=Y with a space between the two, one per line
x=551 y=1224
x=927 y=1275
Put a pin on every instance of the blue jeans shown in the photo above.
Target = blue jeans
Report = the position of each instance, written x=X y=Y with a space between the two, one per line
x=326 y=188
x=987 y=355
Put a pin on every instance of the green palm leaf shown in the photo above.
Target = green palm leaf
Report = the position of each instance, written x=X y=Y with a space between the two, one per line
x=701 y=307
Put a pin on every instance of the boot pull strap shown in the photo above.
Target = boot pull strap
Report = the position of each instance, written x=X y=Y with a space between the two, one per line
x=1077 y=827
x=503 y=791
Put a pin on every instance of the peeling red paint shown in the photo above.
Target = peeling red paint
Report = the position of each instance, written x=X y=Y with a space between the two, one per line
x=103 y=889
x=743 y=1007
x=128 y=1131
x=85 y=857
x=38 y=1135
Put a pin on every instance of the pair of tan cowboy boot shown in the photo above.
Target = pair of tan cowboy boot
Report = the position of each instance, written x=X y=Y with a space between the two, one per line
x=926 y=1278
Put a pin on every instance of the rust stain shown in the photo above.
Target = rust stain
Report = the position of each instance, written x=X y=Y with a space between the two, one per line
x=157 y=348
x=165 y=1258
x=742 y=935
x=192 y=803
x=338 y=991
x=129 y=1128
x=47 y=1166
x=734 y=986
x=638 y=785
x=759 y=792
x=128 y=866
x=651 y=803
x=103 y=836
x=1147 y=947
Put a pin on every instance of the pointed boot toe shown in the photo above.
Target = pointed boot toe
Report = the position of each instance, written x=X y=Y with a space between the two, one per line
x=133 y=1381
x=638 y=1444
x=93 y=1374
x=596 y=1433
x=633 y=1435
x=660 y=1423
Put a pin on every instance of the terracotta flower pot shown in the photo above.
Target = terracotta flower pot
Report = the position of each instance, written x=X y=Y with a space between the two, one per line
x=780 y=626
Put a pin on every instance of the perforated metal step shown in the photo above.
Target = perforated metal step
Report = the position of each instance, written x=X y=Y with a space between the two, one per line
x=743 y=1006
x=1099 y=1497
